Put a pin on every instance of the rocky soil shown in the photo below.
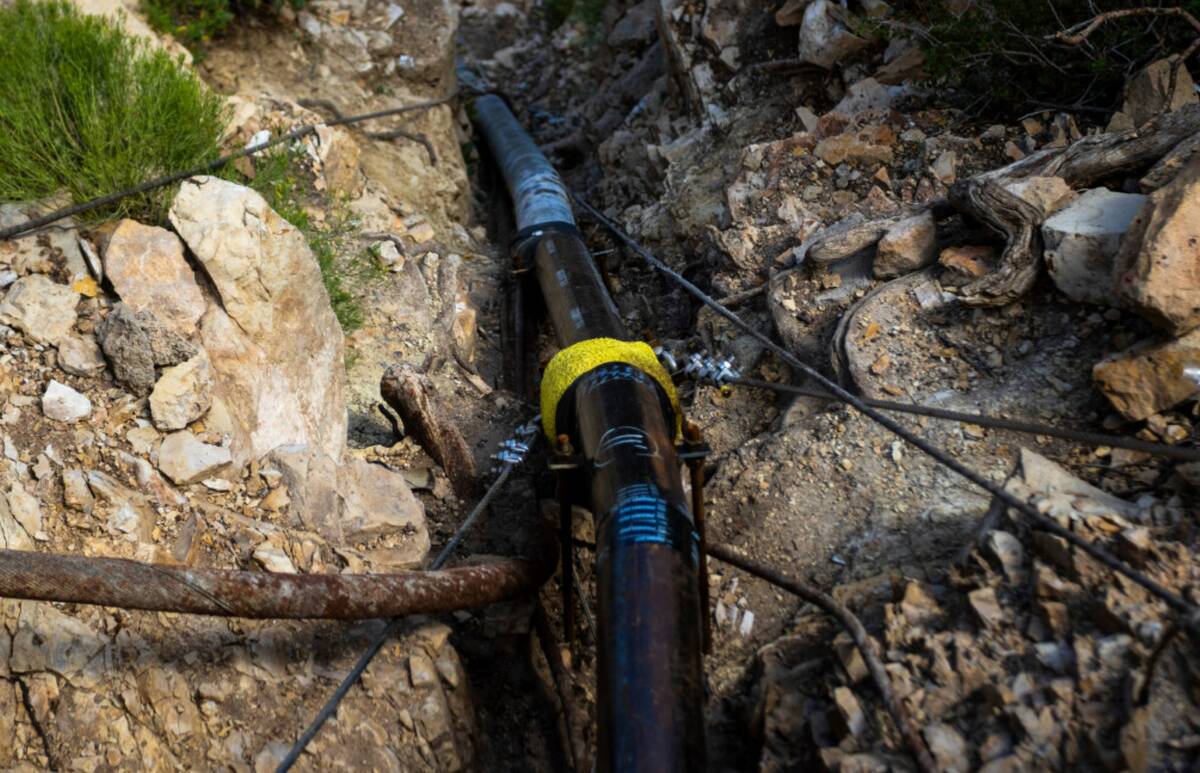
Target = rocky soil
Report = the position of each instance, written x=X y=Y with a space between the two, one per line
x=183 y=393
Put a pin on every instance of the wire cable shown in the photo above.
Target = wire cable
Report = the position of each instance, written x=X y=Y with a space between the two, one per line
x=160 y=182
x=351 y=678
x=1190 y=614
x=1183 y=454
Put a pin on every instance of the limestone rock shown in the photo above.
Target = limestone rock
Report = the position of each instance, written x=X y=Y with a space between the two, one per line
x=948 y=748
x=184 y=459
x=136 y=342
x=76 y=494
x=182 y=393
x=1082 y=240
x=1151 y=377
x=850 y=711
x=1146 y=94
x=62 y=403
x=1158 y=267
x=908 y=246
x=274 y=343
x=1049 y=194
x=985 y=607
x=1006 y=552
x=825 y=37
x=147 y=269
x=40 y=308
x=871 y=145
x=48 y=640
x=27 y=511
x=80 y=355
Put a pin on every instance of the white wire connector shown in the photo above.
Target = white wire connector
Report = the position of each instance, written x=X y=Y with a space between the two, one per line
x=701 y=367
x=512 y=451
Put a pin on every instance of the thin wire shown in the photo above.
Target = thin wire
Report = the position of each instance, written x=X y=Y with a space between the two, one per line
x=160 y=182
x=995 y=422
x=331 y=705
x=1190 y=614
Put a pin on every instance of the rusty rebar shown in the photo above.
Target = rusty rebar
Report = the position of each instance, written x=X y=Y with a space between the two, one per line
x=119 y=582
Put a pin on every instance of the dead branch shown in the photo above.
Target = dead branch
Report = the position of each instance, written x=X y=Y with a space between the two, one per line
x=1078 y=33
x=866 y=644
x=412 y=396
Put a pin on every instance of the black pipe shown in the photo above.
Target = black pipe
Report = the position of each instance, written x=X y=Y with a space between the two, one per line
x=650 y=697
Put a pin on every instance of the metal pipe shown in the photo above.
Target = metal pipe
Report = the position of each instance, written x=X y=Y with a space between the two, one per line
x=119 y=582
x=650 y=700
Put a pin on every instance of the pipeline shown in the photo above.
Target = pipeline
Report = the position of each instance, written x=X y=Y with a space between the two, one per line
x=607 y=402
x=119 y=582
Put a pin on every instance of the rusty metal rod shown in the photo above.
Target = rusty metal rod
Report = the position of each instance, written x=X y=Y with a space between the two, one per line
x=119 y=582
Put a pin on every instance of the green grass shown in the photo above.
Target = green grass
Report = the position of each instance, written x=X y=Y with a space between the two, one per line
x=195 y=22
x=279 y=178
x=87 y=109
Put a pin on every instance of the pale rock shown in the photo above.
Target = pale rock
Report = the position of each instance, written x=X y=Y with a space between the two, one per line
x=1157 y=269
x=26 y=510
x=908 y=246
x=62 y=403
x=13 y=536
x=949 y=749
x=76 y=494
x=1082 y=240
x=825 y=37
x=945 y=168
x=867 y=94
x=917 y=605
x=80 y=355
x=273 y=559
x=7 y=277
x=48 y=640
x=422 y=671
x=130 y=514
x=850 y=711
x=1151 y=377
x=142 y=439
x=147 y=269
x=182 y=393
x=275 y=345
x=338 y=155
x=135 y=343
x=1048 y=194
x=40 y=308
x=1005 y=550
x=986 y=608
x=184 y=459
x=1146 y=94
x=808 y=119
x=870 y=146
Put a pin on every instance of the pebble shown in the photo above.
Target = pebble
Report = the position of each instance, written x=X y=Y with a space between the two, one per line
x=62 y=403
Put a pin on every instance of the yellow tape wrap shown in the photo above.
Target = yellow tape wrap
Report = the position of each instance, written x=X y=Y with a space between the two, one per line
x=574 y=361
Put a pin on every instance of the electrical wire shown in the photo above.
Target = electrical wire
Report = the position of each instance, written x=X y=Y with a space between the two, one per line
x=351 y=678
x=1180 y=453
x=1190 y=614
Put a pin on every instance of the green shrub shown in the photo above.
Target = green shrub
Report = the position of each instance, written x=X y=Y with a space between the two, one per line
x=194 y=22
x=997 y=56
x=86 y=108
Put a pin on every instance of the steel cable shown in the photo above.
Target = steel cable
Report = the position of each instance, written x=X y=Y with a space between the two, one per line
x=351 y=678
x=1182 y=454
x=1190 y=614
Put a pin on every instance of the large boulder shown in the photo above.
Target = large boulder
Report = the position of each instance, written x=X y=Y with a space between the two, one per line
x=1082 y=240
x=1150 y=92
x=1151 y=377
x=146 y=267
x=275 y=345
x=1158 y=266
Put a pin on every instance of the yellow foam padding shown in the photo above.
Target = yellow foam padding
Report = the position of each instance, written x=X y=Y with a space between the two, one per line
x=574 y=361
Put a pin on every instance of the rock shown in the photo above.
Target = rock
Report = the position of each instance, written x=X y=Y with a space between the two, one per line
x=182 y=393
x=76 y=494
x=850 y=658
x=62 y=403
x=945 y=168
x=184 y=459
x=147 y=269
x=1151 y=377
x=274 y=343
x=273 y=559
x=850 y=711
x=872 y=145
x=867 y=94
x=908 y=246
x=1082 y=240
x=25 y=508
x=48 y=640
x=904 y=60
x=825 y=37
x=337 y=153
x=1005 y=551
x=1146 y=94
x=1158 y=267
x=413 y=396
x=636 y=28
x=353 y=503
x=969 y=262
x=917 y=605
x=1049 y=194
x=948 y=748
x=40 y=308
x=80 y=355
x=986 y=608
x=791 y=13
x=1057 y=617
x=1055 y=656
x=135 y=342
x=421 y=671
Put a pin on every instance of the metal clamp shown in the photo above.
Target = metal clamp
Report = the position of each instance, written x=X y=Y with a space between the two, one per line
x=513 y=450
